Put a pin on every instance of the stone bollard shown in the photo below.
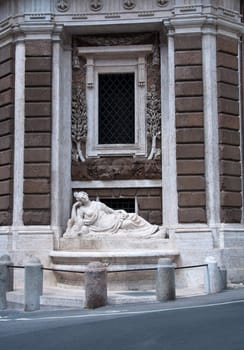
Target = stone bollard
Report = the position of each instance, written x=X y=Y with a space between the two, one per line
x=33 y=284
x=165 y=280
x=3 y=283
x=214 y=277
x=95 y=285
x=10 y=273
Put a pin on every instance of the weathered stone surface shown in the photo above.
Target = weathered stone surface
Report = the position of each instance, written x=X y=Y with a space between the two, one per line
x=38 y=79
x=187 y=183
x=38 y=48
x=6 y=52
x=227 y=75
x=6 y=187
x=6 y=68
x=37 y=124
x=6 y=98
x=227 y=44
x=188 y=42
x=6 y=142
x=230 y=183
x=231 y=199
x=5 y=172
x=188 y=88
x=37 y=217
x=6 y=112
x=227 y=60
x=165 y=280
x=189 y=104
x=186 y=58
x=228 y=91
x=231 y=215
x=188 y=73
x=37 y=140
x=37 y=170
x=145 y=203
x=37 y=186
x=36 y=201
x=7 y=82
x=189 y=120
x=229 y=121
x=38 y=64
x=190 y=167
x=228 y=152
x=38 y=109
x=5 y=157
x=5 y=218
x=38 y=155
x=191 y=199
x=189 y=151
x=228 y=167
x=228 y=106
x=190 y=135
x=192 y=215
x=5 y=202
x=95 y=285
x=36 y=94
x=229 y=137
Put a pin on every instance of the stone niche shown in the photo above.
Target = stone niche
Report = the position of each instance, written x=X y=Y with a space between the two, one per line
x=123 y=165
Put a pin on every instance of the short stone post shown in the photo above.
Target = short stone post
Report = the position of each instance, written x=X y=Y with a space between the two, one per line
x=213 y=276
x=10 y=273
x=33 y=284
x=165 y=280
x=95 y=285
x=3 y=283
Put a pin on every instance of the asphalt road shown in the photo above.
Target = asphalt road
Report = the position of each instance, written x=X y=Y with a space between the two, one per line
x=211 y=322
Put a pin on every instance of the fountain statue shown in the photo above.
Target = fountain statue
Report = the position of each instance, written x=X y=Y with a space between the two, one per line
x=93 y=218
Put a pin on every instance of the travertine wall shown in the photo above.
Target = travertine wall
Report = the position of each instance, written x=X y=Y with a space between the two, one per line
x=6 y=133
x=37 y=133
x=189 y=128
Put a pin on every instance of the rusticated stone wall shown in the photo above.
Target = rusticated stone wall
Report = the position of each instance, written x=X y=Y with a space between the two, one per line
x=148 y=200
x=37 y=133
x=6 y=133
x=189 y=128
x=229 y=129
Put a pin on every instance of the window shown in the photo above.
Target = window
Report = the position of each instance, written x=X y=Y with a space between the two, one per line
x=128 y=204
x=115 y=97
x=116 y=111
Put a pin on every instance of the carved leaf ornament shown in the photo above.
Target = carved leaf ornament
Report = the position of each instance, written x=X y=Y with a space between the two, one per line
x=63 y=5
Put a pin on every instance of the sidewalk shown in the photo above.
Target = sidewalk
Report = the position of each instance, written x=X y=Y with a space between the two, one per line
x=74 y=298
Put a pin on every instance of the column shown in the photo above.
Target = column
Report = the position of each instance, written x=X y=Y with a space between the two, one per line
x=19 y=130
x=169 y=174
x=211 y=126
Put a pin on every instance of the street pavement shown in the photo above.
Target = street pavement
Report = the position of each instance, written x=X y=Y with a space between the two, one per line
x=201 y=322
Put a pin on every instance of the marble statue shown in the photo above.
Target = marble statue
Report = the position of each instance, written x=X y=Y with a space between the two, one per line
x=93 y=218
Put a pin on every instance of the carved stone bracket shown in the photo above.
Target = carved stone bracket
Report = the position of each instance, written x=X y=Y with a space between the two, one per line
x=129 y=4
x=63 y=5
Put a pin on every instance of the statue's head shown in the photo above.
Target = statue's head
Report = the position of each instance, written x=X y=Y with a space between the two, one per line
x=81 y=196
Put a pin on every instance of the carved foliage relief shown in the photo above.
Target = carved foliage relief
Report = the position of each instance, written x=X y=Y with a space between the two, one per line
x=109 y=168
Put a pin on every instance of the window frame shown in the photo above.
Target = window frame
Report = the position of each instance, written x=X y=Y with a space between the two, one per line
x=115 y=59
